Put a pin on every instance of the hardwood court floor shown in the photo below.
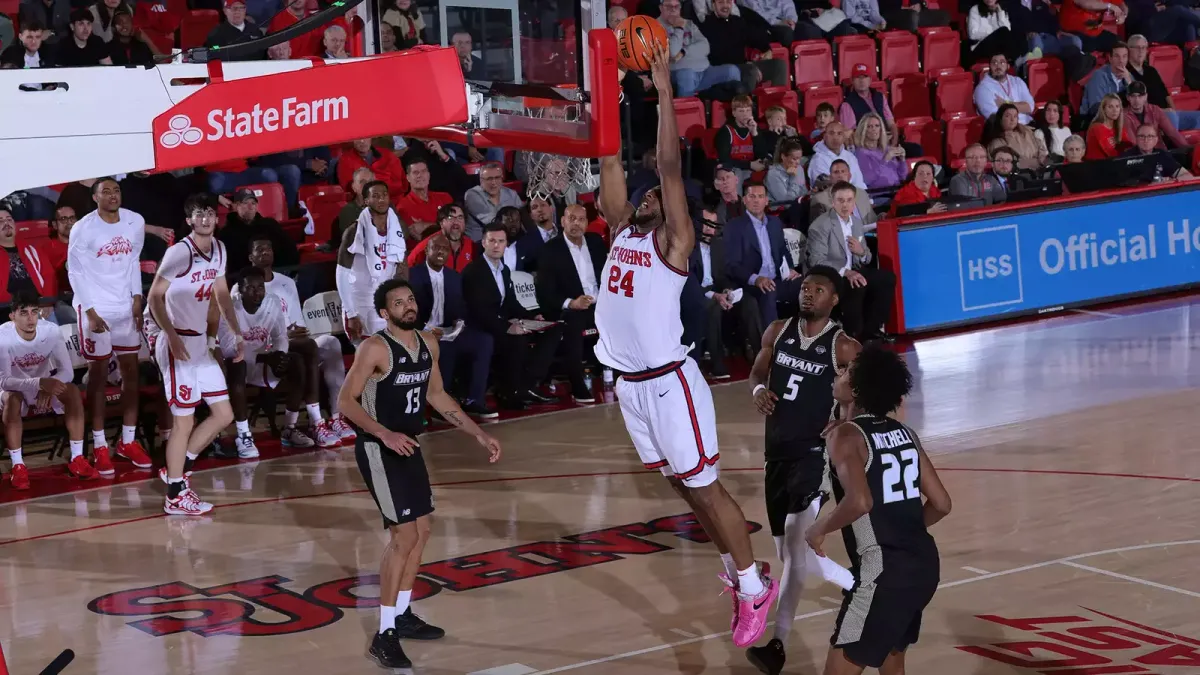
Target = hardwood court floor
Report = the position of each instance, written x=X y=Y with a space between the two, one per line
x=1069 y=446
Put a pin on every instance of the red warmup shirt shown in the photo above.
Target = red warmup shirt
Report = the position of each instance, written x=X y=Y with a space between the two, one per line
x=457 y=260
x=911 y=194
x=160 y=16
x=1074 y=19
x=413 y=209
x=1102 y=143
x=303 y=46
x=384 y=164
x=38 y=263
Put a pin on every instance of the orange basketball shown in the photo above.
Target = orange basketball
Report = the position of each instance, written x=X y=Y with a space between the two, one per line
x=635 y=42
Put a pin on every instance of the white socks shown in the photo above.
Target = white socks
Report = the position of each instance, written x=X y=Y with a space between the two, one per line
x=387 y=618
x=15 y=454
x=98 y=439
x=730 y=566
x=403 y=599
x=314 y=413
x=749 y=581
x=128 y=434
x=243 y=426
x=290 y=417
x=76 y=448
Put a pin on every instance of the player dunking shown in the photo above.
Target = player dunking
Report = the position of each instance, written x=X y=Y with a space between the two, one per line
x=665 y=401
x=880 y=472
x=192 y=273
x=792 y=384
x=394 y=373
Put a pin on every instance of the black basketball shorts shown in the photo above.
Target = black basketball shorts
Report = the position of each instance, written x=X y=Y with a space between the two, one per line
x=875 y=621
x=791 y=485
x=399 y=484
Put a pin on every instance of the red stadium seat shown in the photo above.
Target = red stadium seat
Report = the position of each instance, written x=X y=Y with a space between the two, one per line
x=781 y=96
x=690 y=117
x=1046 y=79
x=818 y=95
x=954 y=95
x=960 y=133
x=1187 y=100
x=196 y=26
x=324 y=212
x=924 y=131
x=271 y=202
x=1168 y=61
x=780 y=53
x=28 y=230
x=899 y=54
x=812 y=63
x=910 y=96
x=940 y=50
x=853 y=50
x=708 y=143
x=721 y=112
x=1192 y=136
x=310 y=192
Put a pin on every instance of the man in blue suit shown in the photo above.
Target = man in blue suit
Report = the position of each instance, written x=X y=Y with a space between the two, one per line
x=756 y=255
x=440 y=304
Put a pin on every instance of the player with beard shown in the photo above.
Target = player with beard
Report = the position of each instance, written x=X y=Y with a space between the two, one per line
x=394 y=374
x=792 y=385
x=35 y=379
x=665 y=401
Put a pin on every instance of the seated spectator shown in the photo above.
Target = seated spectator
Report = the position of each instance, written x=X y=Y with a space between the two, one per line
x=334 y=43
x=387 y=38
x=1005 y=167
x=492 y=306
x=450 y=222
x=1107 y=136
x=989 y=32
x=785 y=180
x=738 y=147
x=1141 y=112
x=161 y=17
x=128 y=48
x=464 y=46
x=235 y=30
x=405 y=18
x=441 y=304
x=815 y=24
x=778 y=129
x=81 y=48
x=1111 y=78
x=41 y=16
x=531 y=242
x=780 y=15
x=225 y=177
x=1036 y=20
x=1163 y=22
x=311 y=164
x=861 y=99
x=29 y=52
x=1085 y=20
x=1150 y=145
x=28 y=267
x=301 y=46
x=757 y=257
x=514 y=226
x=822 y=201
x=882 y=163
x=920 y=189
x=690 y=70
x=357 y=202
x=833 y=147
x=864 y=15
x=730 y=205
x=823 y=116
x=103 y=13
x=419 y=207
x=616 y=14
x=445 y=174
x=1156 y=90
x=915 y=15
x=383 y=163
x=974 y=181
x=245 y=224
x=1074 y=149
x=837 y=240
x=1003 y=130
x=56 y=248
x=731 y=37
x=999 y=87
x=483 y=201
x=568 y=283
x=1052 y=129
x=708 y=269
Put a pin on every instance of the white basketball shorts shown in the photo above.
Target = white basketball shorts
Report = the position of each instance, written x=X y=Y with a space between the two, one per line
x=187 y=383
x=122 y=337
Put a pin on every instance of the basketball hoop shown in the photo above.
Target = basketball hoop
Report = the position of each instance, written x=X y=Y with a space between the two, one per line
x=549 y=174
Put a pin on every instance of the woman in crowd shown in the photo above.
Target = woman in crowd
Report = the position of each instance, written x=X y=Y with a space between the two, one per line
x=920 y=189
x=989 y=32
x=1051 y=127
x=103 y=13
x=785 y=180
x=1005 y=129
x=1074 y=149
x=882 y=163
x=406 y=17
x=1107 y=135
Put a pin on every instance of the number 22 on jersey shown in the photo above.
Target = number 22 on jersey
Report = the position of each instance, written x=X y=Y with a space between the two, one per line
x=618 y=284
x=901 y=478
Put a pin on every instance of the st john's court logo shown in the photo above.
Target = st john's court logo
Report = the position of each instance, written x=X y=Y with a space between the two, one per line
x=233 y=609
x=1082 y=645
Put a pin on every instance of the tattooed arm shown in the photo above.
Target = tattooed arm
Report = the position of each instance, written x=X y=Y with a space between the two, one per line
x=446 y=405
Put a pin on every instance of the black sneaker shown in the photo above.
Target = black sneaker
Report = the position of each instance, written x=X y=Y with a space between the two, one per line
x=219 y=450
x=387 y=652
x=412 y=627
x=480 y=410
x=768 y=658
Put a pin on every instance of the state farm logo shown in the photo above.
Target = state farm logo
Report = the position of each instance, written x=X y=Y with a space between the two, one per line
x=256 y=334
x=29 y=361
x=118 y=246
x=181 y=132
x=290 y=113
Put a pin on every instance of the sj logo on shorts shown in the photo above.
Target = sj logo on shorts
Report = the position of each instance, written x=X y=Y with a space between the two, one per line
x=185 y=392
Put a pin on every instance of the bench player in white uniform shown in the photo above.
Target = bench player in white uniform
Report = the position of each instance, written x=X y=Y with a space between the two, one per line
x=190 y=277
x=35 y=379
x=103 y=267
x=322 y=354
x=372 y=251
x=665 y=401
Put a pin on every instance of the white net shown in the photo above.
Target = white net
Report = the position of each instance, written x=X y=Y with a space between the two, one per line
x=549 y=174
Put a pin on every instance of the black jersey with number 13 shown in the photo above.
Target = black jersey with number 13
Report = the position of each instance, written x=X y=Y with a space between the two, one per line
x=802 y=374
x=396 y=399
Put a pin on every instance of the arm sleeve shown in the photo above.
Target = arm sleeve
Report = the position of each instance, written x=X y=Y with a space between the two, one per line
x=279 y=338
x=26 y=386
x=77 y=272
x=135 y=265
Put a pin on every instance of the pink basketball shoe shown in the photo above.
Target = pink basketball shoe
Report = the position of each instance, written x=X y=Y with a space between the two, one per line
x=754 y=611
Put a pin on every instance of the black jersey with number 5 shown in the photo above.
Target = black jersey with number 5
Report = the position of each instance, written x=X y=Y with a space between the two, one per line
x=396 y=399
x=890 y=545
x=802 y=374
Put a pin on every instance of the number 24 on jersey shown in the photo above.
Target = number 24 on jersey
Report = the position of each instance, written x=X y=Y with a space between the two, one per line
x=618 y=284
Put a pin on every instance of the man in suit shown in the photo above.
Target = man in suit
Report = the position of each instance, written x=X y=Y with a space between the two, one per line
x=492 y=306
x=822 y=202
x=708 y=267
x=757 y=257
x=440 y=304
x=568 y=279
x=836 y=239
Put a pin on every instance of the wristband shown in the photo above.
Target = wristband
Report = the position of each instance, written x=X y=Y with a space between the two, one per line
x=756 y=388
x=212 y=342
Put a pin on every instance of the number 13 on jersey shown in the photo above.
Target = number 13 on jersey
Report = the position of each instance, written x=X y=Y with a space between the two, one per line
x=618 y=284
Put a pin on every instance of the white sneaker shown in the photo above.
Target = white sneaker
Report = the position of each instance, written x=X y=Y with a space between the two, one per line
x=294 y=438
x=245 y=446
x=342 y=428
x=326 y=436
x=186 y=504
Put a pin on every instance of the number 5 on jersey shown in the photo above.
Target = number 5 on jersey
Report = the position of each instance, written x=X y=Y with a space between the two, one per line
x=793 y=387
x=618 y=283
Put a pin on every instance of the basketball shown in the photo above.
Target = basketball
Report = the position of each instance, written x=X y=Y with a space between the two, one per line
x=636 y=36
